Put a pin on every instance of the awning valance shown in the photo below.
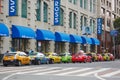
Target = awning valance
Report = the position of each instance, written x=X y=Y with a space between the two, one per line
x=3 y=30
x=22 y=32
x=62 y=37
x=75 y=38
x=95 y=41
x=44 y=35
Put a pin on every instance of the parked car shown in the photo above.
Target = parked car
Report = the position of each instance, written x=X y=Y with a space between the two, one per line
x=99 y=57
x=112 y=58
x=65 y=57
x=54 y=57
x=16 y=58
x=105 y=57
x=38 y=58
x=81 y=58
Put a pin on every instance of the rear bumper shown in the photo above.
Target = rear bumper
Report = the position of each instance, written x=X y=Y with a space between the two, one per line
x=10 y=62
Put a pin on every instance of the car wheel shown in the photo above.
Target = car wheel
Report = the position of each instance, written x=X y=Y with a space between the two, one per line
x=52 y=61
x=18 y=63
x=47 y=62
x=38 y=62
x=5 y=64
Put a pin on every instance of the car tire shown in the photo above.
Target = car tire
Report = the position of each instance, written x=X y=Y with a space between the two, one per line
x=38 y=62
x=5 y=65
x=18 y=63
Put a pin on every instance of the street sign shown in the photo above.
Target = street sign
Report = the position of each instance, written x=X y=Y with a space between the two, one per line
x=113 y=32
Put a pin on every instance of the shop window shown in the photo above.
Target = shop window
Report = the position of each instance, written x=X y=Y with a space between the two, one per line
x=38 y=10
x=92 y=48
x=59 y=47
x=61 y=17
x=45 y=12
x=24 y=9
x=43 y=46
x=72 y=48
x=20 y=44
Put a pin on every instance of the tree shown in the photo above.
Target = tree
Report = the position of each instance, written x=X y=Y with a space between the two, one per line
x=116 y=24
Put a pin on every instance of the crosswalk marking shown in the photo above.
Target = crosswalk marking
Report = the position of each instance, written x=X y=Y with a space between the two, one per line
x=53 y=71
x=40 y=70
x=61 y=71
x=19 y=70
x=80 y=70
x=111 y=74
x=93 y=72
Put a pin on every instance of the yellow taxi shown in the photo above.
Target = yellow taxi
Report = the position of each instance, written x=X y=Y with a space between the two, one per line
x=16 y=58
x=54 y=57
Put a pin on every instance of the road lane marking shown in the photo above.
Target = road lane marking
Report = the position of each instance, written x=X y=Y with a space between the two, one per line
x=93 y=72
x=96 y=75
x=75 y=71
x=54 y=71
x=111 y=74
x=7 y=77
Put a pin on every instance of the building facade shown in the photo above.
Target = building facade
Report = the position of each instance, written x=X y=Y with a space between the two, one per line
x=108 y=10
x=31 y=26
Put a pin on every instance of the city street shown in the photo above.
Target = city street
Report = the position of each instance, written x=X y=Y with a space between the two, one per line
x=108 y=70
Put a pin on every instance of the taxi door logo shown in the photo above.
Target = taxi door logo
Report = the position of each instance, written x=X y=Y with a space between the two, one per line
x=12 y=7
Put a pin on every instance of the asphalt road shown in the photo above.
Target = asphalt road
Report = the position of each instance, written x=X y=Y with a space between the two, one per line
x=109 y=70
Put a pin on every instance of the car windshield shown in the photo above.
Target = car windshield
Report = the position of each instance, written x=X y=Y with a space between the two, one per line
x=10 y=54
x=33 y=54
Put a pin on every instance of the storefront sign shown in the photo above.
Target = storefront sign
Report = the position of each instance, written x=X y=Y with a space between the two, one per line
x=99 y=26
x=12 y=7
x=56 y=12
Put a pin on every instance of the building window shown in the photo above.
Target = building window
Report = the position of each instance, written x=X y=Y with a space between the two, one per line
x=85 y=21
x=38 y=10
x=70 y=1
x=91 y=24
x=85 y=4
x=74 y=1
x=81 y=3
x=94 y=6
x=81 y=20
x=61 y=17
x=90 y=5
x=74 y=20
x=70 y=19
x=45 y=12
x=24 y=9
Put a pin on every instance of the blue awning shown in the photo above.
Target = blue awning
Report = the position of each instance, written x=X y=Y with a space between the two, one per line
x=22 y=32
x=75 y=38
x=95 y=41
x=3 y=30
x=86 y=40
x=45 y=35
x=62 y=37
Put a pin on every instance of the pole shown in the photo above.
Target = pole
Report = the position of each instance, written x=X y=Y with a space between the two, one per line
x=114 y=44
